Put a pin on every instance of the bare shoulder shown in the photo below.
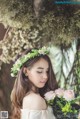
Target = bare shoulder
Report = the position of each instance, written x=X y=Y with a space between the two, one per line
x=34 y=101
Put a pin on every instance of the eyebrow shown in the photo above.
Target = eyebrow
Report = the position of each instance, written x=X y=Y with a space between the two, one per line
x=41 y=68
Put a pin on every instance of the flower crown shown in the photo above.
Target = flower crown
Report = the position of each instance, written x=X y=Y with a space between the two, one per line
x=34 y=52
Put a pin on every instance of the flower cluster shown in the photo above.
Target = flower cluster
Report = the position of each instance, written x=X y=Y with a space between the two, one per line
x=14 y=42
x=18 y=64
x=63 y=103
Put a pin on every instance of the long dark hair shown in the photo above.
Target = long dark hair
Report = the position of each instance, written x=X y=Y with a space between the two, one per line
x=23 y=85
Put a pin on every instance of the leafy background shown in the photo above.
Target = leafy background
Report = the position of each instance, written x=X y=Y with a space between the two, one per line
x=37 y=23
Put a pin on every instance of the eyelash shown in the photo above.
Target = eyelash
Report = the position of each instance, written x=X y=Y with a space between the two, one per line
x=41 y=72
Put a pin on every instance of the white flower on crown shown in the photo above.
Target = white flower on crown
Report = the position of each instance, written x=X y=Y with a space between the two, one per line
x=18 y=62
x=42 y=51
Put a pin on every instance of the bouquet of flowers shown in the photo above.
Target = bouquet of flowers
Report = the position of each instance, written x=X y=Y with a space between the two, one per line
x=63 y=103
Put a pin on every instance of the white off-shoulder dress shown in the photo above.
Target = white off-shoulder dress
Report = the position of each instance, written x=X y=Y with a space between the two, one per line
x=37 y=114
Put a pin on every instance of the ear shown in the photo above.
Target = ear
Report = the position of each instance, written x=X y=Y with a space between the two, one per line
x=26 y=71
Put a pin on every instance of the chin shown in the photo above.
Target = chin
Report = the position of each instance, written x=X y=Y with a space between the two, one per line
x=41 y=86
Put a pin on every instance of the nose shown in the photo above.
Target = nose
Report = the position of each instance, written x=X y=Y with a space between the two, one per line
x=45 y=76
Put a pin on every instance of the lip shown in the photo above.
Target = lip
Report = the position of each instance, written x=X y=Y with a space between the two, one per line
x=42 y=82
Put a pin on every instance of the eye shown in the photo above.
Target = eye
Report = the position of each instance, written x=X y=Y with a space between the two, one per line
x=39 y=71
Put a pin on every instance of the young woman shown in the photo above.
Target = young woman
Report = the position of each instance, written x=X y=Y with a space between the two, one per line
x=35 y=77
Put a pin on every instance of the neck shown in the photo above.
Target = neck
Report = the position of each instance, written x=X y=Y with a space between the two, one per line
x=35 y=90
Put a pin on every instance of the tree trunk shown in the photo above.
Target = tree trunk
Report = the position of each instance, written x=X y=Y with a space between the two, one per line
x=6 y=85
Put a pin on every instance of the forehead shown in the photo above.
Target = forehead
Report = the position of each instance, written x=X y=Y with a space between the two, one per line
x=41 y=63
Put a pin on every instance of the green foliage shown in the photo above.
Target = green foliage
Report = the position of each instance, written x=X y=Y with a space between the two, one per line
x=64 y=109
x=15 y=13
x=59 y=29
x=56 y=24
x=14 y=42
x=77 y=73
x=19 y=63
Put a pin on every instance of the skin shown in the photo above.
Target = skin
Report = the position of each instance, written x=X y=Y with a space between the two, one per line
x=38 y=73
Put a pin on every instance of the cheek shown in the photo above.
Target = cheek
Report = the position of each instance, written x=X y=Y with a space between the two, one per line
x=34 y=76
